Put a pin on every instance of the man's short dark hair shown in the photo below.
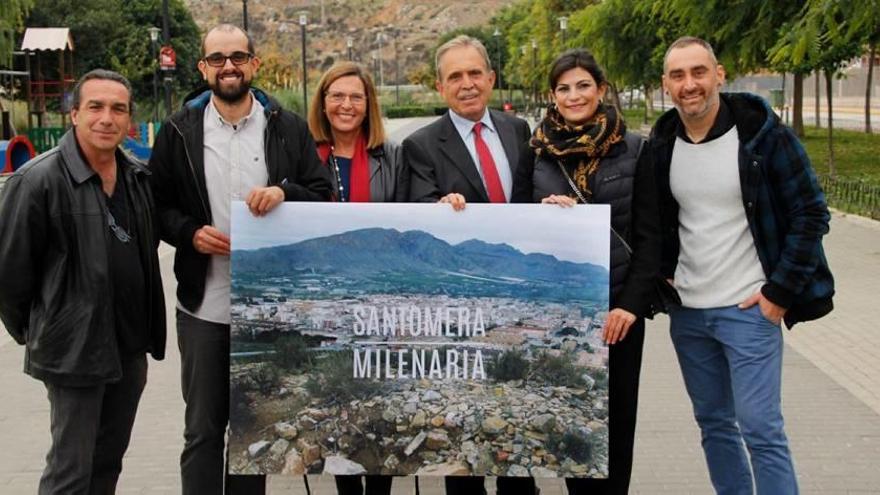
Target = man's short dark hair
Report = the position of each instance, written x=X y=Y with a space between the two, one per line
x=230 y=28
x=686 y=41
x=102 y=75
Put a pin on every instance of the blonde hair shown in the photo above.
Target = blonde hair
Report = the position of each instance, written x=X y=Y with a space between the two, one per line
x=372 y=126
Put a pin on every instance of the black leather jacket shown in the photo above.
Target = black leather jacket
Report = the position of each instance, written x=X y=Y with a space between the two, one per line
x=55 y=283
x=178 y=167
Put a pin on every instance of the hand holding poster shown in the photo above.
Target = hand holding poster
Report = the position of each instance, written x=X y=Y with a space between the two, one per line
x=411 y=339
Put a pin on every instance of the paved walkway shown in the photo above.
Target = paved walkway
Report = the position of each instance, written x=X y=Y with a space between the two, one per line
x=831 y=402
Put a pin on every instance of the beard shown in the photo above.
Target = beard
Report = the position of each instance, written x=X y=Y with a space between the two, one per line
x=230 y=94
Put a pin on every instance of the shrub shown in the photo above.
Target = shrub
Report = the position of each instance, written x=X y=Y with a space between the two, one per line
x=509 y=365
x=572 y=444
x=558 y=370
x=333 y=375
x=406 y=111
x=291 y=353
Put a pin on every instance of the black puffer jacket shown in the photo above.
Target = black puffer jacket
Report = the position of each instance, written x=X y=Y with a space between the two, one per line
x=56 y=290
x=625 y=182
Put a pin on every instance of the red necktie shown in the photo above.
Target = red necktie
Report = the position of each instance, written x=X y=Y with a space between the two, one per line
x=487 y=165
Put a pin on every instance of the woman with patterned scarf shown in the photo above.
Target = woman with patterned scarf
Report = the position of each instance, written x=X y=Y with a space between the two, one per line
x=581 y=152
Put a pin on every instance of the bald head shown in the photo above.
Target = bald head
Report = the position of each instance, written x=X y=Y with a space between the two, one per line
x=226 y=29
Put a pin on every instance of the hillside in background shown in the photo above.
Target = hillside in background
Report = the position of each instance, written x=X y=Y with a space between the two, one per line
x=418 y=23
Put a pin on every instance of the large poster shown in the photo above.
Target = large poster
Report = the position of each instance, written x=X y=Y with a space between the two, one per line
x=412 y=339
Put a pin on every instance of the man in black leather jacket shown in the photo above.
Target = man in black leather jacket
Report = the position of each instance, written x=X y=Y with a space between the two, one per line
x=81 y=286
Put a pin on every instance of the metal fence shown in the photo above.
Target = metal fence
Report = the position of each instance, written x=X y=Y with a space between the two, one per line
x=852 y=196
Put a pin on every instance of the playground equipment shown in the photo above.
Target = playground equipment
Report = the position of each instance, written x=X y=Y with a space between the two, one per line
x=15 y=153
x=39 y=43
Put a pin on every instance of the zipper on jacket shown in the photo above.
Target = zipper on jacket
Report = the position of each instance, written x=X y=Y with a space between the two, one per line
x=193 y=170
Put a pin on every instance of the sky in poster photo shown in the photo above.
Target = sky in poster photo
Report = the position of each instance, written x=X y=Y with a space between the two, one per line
x=579 y=234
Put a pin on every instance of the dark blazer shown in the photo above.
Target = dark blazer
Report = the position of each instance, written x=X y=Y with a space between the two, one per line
x=440 y=163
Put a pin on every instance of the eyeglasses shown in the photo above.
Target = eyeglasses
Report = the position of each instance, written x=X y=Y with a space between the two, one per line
x=219 y=60
x=121 y=234
x=339 y=97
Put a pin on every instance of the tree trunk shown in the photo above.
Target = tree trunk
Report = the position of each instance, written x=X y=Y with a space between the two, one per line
x=797 y=111
x=630 y=105
x=871 y=54
x=783 y=110
x=649 y=103
x=662 y=100
x=828 y=94
x=614 y=96
x=818 y=119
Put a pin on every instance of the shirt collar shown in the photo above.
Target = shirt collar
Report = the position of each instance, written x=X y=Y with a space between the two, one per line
x=466 y=126
x=215 y=117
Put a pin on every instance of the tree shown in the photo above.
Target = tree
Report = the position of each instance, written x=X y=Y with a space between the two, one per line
x=820 y=38
x=866 y=25
x=629 y=39
x=744 y=36
x=112 y=34
x=12 y=13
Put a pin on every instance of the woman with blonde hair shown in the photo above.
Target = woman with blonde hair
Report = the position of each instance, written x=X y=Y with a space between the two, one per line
x=346 y=122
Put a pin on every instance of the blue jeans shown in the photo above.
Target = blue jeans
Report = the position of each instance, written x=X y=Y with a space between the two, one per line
x=731 y=361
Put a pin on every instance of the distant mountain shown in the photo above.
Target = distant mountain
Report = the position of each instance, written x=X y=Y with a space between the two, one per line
x=370 y=252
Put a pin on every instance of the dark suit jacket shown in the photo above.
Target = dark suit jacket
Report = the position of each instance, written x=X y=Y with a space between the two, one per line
x=440 y=162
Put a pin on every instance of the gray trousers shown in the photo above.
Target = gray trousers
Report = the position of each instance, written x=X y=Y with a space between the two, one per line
x=91 y=428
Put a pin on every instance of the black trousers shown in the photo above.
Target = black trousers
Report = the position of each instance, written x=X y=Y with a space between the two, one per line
x=625 y=364
x=204 y=356
x=91 y=429
x=468 y=485
x=372 y=485
x=204 y=363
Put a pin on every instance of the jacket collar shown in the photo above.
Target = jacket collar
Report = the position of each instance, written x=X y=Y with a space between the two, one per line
x=82 y=171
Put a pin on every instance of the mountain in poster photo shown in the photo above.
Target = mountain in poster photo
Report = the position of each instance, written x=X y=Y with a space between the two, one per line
x=364 y=258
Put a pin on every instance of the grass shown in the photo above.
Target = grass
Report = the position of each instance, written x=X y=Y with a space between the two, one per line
x=856 y=154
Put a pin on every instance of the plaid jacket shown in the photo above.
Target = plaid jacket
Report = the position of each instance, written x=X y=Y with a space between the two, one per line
x=784 y=205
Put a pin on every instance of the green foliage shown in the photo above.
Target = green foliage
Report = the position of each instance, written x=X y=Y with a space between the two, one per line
x=576 y=445
x=332 y=378
x=12 y=14
x=509 y=365
x=291 y=353
x=404 y=111
x=112 y=34
x=558 y=370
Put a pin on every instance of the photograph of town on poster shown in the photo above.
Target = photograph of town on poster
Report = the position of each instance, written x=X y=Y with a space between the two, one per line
x=412 y=339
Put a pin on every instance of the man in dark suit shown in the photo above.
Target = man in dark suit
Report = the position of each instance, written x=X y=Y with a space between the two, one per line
x=469 y=154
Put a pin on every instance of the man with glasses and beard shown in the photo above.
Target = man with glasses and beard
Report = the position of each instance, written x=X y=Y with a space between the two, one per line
x=232 y=142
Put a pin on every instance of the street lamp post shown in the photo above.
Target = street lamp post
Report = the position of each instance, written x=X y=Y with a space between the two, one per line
x=534 y=70
x=523 y=50
x=563 y=27
x=381 y=73
x=349 y=42
x=166 y=35
x=394 y=34
x=303 y=22
x=244 y=15
x=154 y=43
x=497 y=36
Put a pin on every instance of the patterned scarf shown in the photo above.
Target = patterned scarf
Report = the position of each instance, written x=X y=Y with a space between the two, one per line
x=584 y=145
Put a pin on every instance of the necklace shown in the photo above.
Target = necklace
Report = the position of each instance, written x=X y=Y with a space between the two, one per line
x=338 y=174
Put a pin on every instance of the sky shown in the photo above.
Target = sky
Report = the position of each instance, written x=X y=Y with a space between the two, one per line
x=579 y=234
